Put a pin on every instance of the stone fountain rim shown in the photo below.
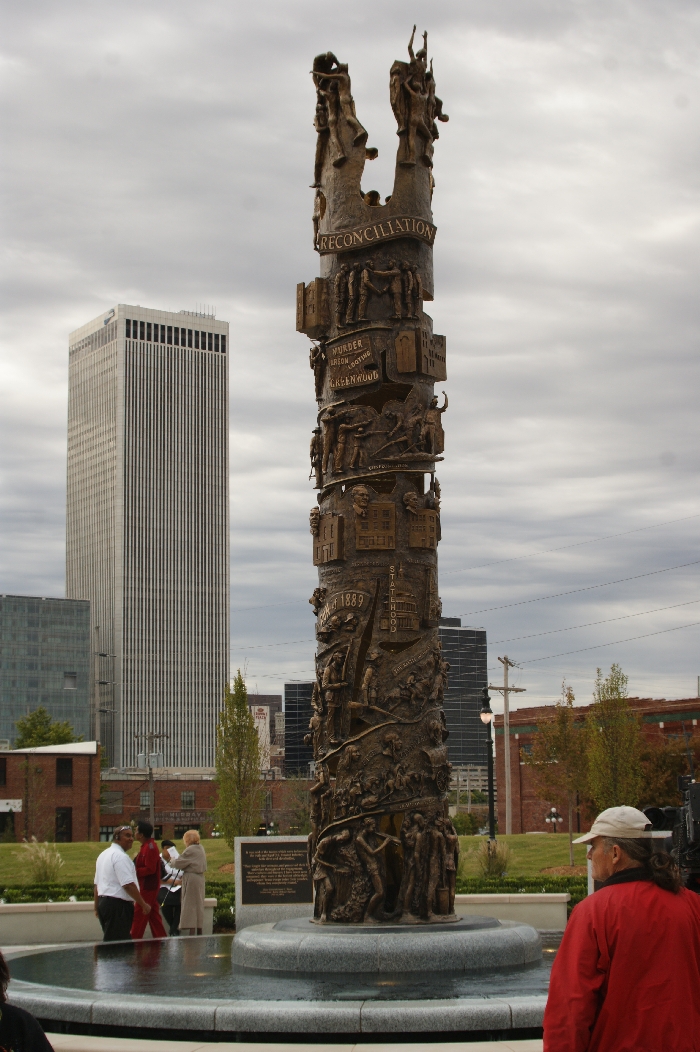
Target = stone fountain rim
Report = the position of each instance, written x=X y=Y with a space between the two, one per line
x=218 y=1015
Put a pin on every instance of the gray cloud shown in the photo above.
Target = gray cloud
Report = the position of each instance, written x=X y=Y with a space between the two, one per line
x=161 y=154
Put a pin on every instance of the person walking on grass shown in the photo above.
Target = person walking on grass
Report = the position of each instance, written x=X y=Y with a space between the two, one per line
x=193 y=863
x=116 y=887
x=147 y=864
x=625 y=978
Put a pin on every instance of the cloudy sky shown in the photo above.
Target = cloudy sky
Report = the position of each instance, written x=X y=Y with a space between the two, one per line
x=160 y=153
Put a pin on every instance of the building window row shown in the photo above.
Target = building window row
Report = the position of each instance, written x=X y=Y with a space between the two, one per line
x=97 y=339
x=153 y=332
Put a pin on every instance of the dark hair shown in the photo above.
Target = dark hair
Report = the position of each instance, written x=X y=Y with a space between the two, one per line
x=659 y=866
x=4 y=978
x=145 y=829
x=166 y=843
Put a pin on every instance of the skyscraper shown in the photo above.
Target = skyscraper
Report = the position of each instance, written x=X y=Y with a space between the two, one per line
x=45 y=661
x=465 y=649
x=147 y=537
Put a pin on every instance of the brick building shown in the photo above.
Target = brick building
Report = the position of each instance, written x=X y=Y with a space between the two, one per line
x=184 y=798
x=51 y=792
x=658 y=716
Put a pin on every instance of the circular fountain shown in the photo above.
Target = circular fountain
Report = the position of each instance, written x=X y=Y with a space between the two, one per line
x=192 y=987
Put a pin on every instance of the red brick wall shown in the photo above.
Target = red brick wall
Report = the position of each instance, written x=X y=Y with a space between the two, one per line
x=277 y=805
x=31 y=777
x=529 y=812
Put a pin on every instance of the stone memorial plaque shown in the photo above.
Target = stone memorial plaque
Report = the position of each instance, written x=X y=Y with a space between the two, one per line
x=422 y=531
x=275 y=872
x=377 y=531
x=352 y=362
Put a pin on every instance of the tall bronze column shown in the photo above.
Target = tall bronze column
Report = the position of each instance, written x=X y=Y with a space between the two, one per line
x=381 y=846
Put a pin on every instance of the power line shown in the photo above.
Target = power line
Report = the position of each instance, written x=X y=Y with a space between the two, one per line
x=590 y=624
x=264 y=646
x=587 y=588
x=563 y=547
x=661 y=632
x=496 y=562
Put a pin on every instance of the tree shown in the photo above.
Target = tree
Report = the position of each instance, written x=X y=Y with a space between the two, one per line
x=559 y=758
x=240 y=795
x=38 y=728
x=663 y=759
x=614 y=740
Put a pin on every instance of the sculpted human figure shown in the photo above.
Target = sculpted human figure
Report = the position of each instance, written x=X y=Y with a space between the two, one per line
x=315 y=454
x=368 y=850
x=332 y=685
x=318 y=599
x=341 y=442
x=395 y=285
x=314 y=520
x=322 y=135
x=411 y=502
x=319 y=209
x=432 y=435
x=367 y=286
x=417 y=292
x=414 y=852
x=368 y=690
x=436 y=865
x=327 y=94
x=324 y=871
x=408 y=287
x=340 y=288
x=341 y=78
x=317 y=361
x=358 y=457
x=360 y=501
x=353 y=284
x=330 y=430
x=451 y=860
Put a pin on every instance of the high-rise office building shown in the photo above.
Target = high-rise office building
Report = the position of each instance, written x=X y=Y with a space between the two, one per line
x=465 y=649
x=147 y=539
x=297 y=713
x=45 y=661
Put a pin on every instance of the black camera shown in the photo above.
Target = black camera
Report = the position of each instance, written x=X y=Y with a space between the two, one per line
x=683 y=826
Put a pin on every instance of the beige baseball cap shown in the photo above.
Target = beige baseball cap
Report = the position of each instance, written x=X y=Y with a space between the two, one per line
x=625 y=822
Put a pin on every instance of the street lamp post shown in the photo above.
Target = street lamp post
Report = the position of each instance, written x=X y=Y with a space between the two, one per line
x=554 y=817
x=486 y=717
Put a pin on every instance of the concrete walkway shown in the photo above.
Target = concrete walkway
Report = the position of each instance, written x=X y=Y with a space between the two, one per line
x=66 y=1043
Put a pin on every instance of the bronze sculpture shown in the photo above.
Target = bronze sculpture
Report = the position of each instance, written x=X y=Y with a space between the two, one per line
x=381 y=847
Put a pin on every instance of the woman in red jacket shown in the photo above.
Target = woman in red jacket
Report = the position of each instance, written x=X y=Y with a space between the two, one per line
x=627 y=974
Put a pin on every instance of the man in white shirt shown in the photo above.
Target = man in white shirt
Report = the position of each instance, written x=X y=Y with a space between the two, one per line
x=116 y=887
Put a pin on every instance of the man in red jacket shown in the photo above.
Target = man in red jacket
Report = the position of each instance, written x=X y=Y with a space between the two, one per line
x=147 y=864
x=627 y=974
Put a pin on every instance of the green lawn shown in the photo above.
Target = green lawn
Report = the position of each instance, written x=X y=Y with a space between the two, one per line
x=529 y=853
x=529 y=856
x=80 y=861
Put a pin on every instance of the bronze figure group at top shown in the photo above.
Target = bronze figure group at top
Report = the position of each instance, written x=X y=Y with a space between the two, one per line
x=413 y=100
x=382 y=846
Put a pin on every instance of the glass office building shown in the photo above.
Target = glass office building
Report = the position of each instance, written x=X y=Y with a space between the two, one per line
x=45 y=660
x=465 y=649
x=297 y=713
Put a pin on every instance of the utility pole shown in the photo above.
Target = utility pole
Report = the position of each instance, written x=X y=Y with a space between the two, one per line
x=151 y=739
x=505 y=690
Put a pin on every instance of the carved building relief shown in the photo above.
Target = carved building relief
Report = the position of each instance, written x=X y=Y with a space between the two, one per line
x=381 y=847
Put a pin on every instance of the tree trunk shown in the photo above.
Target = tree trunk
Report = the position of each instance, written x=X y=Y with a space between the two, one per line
x=571 y=831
